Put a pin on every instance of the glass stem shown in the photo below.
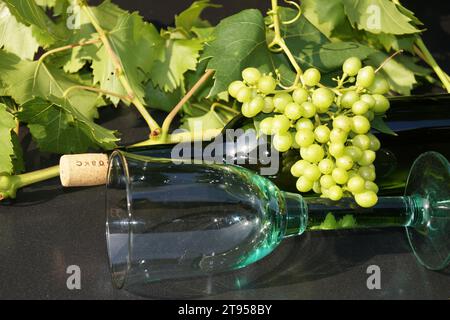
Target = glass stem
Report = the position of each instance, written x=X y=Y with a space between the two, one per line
x=324 y=214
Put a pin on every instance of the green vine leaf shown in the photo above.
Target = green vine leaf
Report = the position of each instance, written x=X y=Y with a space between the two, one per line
x=59 y=128
x=378 y=16
x=179 y=56
x=137 y=44
x=30 y=14
x=379 y=124
x=240 y=42
x=24 y=81
x=16 y=37
x=7 y=124
x=190 y=18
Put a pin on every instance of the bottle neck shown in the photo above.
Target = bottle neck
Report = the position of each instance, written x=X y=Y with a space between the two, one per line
x=312 y=214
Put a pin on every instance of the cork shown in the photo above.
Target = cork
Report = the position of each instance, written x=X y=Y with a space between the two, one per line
x=83 y=170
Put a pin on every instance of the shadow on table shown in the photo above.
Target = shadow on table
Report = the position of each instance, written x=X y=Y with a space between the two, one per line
x=310 y=257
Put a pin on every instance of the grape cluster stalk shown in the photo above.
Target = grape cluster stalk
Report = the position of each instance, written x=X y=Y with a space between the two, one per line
x=328 y=128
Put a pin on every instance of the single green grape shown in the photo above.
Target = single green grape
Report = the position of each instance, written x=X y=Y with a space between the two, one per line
x=251 y=75
x=234 y=88
x=298 y=168
x=354 y=152
x=267 y=84
x=308 y=110
x=304 y=124
x=352 y=66
x=327 y=181
x=366 y=77
x=317 y=188
x=304 y=184
x=371 y=186
x=265 y=126
x=336 y=149
x=338 y=136
x=360 y=125
x=280 y=100
x=300 y=95
x=367 y=98
x=293 y=111
x=311 y=77
x=314 y=153
x=304 y=137
x=348 y=99
x=361 y=141
x=282 y=142
x=280 y=124
x=380 y=85
x=345 y=162
x=375 y=144
x=368 y=157
x=322 y=134
x=326 y=166
x=360 y=107
x=245 y=94
x=356 y=184
x=268 y=105
x=367 y=173
x=340 y=175
x=381 y=104
x=295 y=145
x=335 y=193
x=254 y=107
x=312 y=172
x=322 y=98
x=366 y=199
x=342 y=122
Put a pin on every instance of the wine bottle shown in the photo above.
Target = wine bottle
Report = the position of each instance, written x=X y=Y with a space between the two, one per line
x=422 y=123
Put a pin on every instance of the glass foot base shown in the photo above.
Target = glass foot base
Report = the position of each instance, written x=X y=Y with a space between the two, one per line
x=429 y=236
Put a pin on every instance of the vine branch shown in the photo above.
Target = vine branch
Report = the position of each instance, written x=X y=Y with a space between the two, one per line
x=152 y=124
x=167 y=122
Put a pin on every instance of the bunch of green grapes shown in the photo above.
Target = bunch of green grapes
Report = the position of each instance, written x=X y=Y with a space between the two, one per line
x=329 y=127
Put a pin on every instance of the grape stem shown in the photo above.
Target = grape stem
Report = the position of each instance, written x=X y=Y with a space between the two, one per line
x=279 y=41
x=94 y=89
x=155 y=130
x=168 y=121
x=10 y=184
x=425 y=54
x=387 y=60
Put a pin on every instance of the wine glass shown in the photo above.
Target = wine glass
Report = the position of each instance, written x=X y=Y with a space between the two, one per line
x=171 y=220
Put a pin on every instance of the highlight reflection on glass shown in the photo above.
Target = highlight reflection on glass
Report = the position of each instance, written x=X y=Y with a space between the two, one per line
x=167 y=220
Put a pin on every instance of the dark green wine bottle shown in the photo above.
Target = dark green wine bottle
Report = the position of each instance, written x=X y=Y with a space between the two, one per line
x=421 y=123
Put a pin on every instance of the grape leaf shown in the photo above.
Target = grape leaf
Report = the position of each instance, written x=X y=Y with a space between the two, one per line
x=378 y=16
x=313 y=49
x=17 y=158
x=329 y=17
x=240 y=42
x=400 y=78
x=7 y=124
x=180 y=55
x=16 y=37
x=30 y=14
x=210 y=120
x=137 y=45
x=62 y=129
x=381 y=126
x=190 y=17
x=160 y=100
x=25 y=81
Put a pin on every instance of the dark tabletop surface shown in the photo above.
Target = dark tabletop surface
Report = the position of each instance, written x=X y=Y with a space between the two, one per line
x=47 y=229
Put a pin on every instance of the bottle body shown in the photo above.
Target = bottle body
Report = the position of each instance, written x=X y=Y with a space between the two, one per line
x=421 y=123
